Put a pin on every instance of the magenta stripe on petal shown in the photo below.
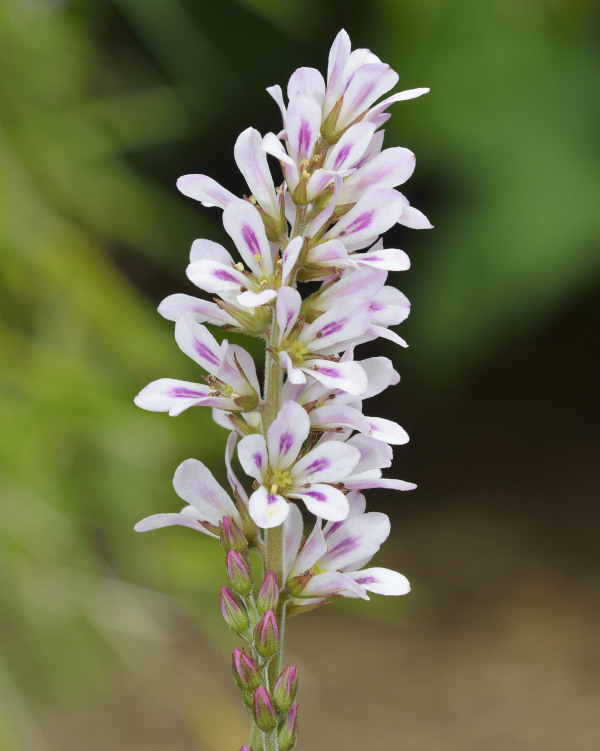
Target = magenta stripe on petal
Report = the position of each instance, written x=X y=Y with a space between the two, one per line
x=182 y=391
x=286 y=441
x=257 y=460
x=224 y=276
x=342 y=156
x=318 y=465
x=332 y=328
x=361 y=222
x=203 y=351
x=331 y=372
x=345 y=546
x=250 y=239
x=316 y=494
x=366 y=580
x=304 y=137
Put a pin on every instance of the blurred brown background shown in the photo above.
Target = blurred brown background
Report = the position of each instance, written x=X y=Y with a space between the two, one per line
x=110 y=640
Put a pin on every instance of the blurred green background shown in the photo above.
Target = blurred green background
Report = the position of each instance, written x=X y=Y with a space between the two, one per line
x=110 y=640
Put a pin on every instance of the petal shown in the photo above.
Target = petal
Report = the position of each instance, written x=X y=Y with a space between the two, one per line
x=293 y=528
x=388 y=169
x=251 y=160
x=345 y=376
x=204 y=189
x=390 y=259
x=290 y=258
x=389 y=307
x=330 y=583
x=414 y=218
x=323 y=217
x=287 y=309
x=203 y=311
x=387 y=430
x=321 y=179
x=215 y=277
x=272 y=145
x=172 y=396
x=286 y=435
x=374 y=214
x=236 y=486
x=327 y=462
x=357 y=538
x=380 y=331
x=243 y=224
x=277 y=94
x=307 y=81
x=350 y=148
x=158 y=521
x=267 y=510
x=384 y=483
x=332 y=253
x=380 y=374
x=207 y=250
x=323 y=501
x=334 y=415
x=294 y=374
x=401 y=96
x=252 y=453
x=196 y=341
x=194 y=483
x=374 y=454
x=312 y=550
x=367 y=85
x=364 y=282
x=234 y=359
x=303 y=126
x=337 y=325
x=338 y=57
x=250 y=299
x=382 y=581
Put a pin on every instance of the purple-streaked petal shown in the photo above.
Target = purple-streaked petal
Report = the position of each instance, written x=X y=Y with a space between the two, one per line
x=330 y=583
x=323 y=501
x=250 y=299
x=381 y=581
x=357 y=538
x=307 y=81
x=158 y=521
x=350 y=148
x=345 y=376
x=337 y=325
x=293 y=528
x=401 y=96
x=367 y=85
x=245 y=382
x=332 y=253
x=390 y=259
x=286 y=435
x=388 y=431
x=194 y=483
x=385 y=483
x=215 y=277
x=287 y=309
x=196 y=341
x=252 y=453
x=327 y=462
x=338 y=57
x=374 y=214
x=243 y=224
x=204 y=189
x=314 y=547
x=251 y=160
x=374 y=454
x=172 y=396
x=303 y=126
x=373 y=150
x=290 y=257
x=386 y=170
x=203 y=311
x=267 y=510
x=207 y=250
x=236 y=485
x=389 y=307
x=413 y=218
x=380 y=374
x=364 y=282
x=334 y=415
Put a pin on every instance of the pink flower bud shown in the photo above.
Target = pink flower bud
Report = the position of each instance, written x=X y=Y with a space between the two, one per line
x=234 y=611
x=284 y=691
x=266 y=635
x=264 y=713
x=245 y=670
x=268 y=594
x=287 y=732
x=239 y=573
x=231 y=536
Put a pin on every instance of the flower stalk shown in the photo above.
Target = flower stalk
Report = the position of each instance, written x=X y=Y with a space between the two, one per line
x=302 y=438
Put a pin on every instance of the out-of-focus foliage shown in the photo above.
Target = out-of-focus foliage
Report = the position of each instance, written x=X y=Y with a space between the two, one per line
x=102 y=105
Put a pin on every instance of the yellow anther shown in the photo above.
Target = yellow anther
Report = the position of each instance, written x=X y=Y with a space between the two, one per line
x=239 y=266
x=257 y=257
x=252 y=199
x=273 y=490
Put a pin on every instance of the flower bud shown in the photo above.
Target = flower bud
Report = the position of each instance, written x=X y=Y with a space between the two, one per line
x=266 y=635
x=268 y=594
x=245 y=670
x=244 y=747
x=231 y=536
x=264 y=713
x=287 y=731
x=284 y=692
x=234 y=611
x=239 y=573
